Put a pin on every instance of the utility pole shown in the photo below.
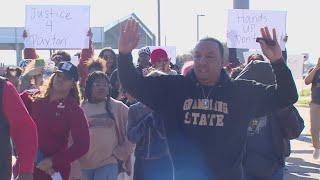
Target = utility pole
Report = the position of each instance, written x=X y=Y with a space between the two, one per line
x=198 y=15
x=159 y=27
x=237 y=4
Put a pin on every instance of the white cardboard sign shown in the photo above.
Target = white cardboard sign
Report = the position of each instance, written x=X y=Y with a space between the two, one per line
x=57 y=27
x=244 y=27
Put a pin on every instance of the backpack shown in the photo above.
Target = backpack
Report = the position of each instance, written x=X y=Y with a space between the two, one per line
x=292 y=125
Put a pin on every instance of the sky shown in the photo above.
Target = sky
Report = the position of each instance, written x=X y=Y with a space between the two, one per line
x=178 y=19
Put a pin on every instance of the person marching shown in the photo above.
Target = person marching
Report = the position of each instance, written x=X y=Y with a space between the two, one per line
x=57 y=114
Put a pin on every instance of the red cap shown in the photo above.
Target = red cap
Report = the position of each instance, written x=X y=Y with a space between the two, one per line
x=30 y=53
x=158 y=54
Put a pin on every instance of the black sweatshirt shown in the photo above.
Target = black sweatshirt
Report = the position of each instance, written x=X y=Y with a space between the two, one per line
x=207 y=143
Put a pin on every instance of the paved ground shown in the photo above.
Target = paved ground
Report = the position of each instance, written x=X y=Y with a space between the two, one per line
x=300 y=165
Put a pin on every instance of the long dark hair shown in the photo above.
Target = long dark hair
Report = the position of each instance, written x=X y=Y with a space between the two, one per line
x=46 y=88
x=114 y=59
x=101 y=54
x=88 y=89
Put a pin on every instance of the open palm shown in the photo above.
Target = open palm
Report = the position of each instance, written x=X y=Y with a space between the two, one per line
x=272 y=52
x=129 y=37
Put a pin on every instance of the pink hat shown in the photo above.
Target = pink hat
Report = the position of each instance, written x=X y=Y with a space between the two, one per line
x=158 y=54
x=187 y=67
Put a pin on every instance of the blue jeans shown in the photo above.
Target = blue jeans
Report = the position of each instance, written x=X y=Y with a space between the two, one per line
x=106 y=172
x=277 y=175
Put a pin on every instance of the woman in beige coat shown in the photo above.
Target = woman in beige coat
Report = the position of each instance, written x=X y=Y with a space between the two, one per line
x=110 y=151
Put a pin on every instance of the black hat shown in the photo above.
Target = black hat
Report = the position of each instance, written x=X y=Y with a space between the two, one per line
x=68 y=69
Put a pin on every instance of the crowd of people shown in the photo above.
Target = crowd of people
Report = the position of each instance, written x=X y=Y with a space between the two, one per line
x=107 y=118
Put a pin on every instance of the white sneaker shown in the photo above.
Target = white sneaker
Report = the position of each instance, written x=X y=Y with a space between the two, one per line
x=316 y=153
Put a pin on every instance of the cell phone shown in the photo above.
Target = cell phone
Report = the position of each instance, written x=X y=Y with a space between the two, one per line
x=40 y=62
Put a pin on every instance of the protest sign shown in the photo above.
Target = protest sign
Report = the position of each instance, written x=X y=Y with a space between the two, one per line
x=57 y=27
x=244 y=27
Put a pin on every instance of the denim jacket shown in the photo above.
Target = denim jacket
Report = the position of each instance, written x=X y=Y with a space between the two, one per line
x=146 y=130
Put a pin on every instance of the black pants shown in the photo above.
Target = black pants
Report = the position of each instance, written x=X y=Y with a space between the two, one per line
x=155 y=169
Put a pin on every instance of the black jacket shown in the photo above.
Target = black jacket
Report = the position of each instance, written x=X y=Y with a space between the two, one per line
x=207 y=142
x=285 y=123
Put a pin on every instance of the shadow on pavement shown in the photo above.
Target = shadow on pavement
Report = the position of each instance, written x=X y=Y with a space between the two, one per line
x=305 y=138
x=294 y=177
x=302 y=151
x=301 y=168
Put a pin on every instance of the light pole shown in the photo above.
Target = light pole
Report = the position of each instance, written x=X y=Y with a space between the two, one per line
x=238 y=4
x=159 y=35
x=241 y=4
x=198 y=15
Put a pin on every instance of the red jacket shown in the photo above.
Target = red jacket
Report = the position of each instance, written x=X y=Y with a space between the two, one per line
x=55 y=121
x=23 y=131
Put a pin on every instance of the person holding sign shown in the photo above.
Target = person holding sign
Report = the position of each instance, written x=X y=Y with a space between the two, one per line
x=314 y=79
x=206 y=113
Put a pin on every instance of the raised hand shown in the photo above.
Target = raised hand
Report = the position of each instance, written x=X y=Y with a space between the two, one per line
x=129 y=37
x=271 y=50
